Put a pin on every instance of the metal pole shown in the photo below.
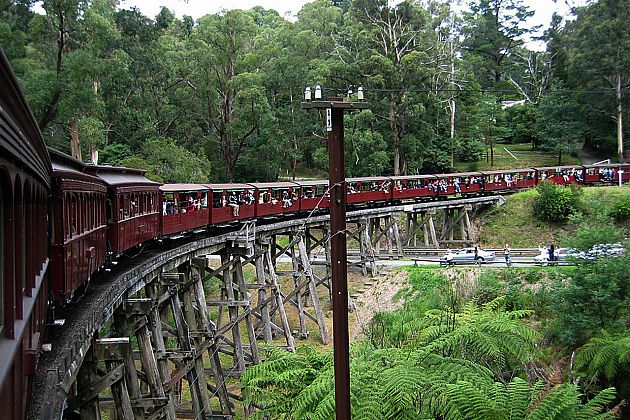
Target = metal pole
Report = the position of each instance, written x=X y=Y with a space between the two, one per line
x=339 y=265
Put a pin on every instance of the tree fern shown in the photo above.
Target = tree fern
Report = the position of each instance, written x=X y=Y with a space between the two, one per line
x=488 y=335
x=606 y=356
x=518 y=400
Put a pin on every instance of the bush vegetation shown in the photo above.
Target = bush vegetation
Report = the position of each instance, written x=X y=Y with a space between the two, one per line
x=468 y=344
x=555 y=203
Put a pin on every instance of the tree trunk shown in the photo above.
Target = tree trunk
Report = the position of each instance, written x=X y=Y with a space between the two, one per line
x=619 y=118
x=75 y=143
x=560 y=157
x=295 y=142
x=94 y=154
x=453 y=131
x=394 y=128
x=491 y=153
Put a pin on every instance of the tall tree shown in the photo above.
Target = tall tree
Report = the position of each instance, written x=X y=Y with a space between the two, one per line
x=494 y=29
x=599 y=50
x=230 y=82
x=395 y=57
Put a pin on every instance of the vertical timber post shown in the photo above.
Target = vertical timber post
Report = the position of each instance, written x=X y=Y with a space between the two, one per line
x=339 y=264
x=337 y=187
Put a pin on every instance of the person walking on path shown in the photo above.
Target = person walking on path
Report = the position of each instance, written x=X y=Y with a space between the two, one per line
x=506 y=254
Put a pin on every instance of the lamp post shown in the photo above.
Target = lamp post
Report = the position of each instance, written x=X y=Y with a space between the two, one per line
x=335 y=108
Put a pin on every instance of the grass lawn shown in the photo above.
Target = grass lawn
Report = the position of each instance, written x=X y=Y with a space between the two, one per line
x=526 y=157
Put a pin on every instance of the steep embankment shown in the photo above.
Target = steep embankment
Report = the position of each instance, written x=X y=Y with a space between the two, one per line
x=516 y=224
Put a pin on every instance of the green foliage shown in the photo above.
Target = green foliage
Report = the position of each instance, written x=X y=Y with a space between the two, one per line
x=519 y=400
x=620 y=210
x=167 y=162
x=606 y=356
x=595 y=297
x=115 y=153
x=555 y=203
x=560 y=127
x=471 y=151
x=588 y=235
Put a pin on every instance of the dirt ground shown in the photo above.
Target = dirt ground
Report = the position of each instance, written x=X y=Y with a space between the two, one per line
x=373 y=295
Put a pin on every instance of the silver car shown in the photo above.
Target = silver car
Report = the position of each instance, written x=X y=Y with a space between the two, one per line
x=467 y=256
x=559 y=254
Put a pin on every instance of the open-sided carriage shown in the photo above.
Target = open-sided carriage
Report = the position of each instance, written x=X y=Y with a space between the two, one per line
x=231 y=202
x=184 y=208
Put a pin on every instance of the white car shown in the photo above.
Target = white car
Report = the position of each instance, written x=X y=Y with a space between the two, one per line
x=466 y=256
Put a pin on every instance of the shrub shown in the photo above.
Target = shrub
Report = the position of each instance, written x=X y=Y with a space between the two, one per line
x=587 y=236
x=621 y=208
x=554 y=203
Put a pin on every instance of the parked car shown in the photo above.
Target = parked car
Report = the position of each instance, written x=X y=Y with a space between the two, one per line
x=597 y=251
x=467 y=256
x=560 y=254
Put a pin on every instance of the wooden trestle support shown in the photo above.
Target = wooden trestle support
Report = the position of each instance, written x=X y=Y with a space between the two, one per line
x=189 y=326
x=176 y=348
x=456 y=228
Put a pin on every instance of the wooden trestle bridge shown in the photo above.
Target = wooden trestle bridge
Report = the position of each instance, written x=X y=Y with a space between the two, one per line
x=167 y=334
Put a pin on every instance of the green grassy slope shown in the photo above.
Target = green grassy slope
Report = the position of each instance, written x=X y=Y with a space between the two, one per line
x=526 y=157
x=514 y=223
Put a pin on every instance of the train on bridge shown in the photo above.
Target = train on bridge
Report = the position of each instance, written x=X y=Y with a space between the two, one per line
x=63 y=220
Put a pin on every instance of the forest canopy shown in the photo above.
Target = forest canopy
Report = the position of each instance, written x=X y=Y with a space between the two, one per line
x=223 y=92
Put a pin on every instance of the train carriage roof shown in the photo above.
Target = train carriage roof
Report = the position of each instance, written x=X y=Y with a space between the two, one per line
x=367 y=178
x=311 y=182
x=20 y=137
x=69 y=168
x=281 y=184
x=507 y=171
x=458 y=174
x=183 y=187
x=118 y=176
x=607 y=165
x=549 y=168
x=223 y=187
x=412 y=177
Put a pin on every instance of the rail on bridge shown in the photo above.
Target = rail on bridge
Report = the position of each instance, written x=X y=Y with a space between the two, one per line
x=167 y=336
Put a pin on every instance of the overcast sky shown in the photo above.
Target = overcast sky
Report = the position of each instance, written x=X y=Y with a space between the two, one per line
x=197 y=8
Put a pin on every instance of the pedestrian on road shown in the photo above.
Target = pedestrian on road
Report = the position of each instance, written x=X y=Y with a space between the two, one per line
x=506 y=254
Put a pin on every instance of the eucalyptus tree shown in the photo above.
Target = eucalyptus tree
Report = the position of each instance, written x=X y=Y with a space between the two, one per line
x=394 y=58
x=599 y=47
x=559 y=124
x=69 y=55
x=494 y=30
x=229 y=81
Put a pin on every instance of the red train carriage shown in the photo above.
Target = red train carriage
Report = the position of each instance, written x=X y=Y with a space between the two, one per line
x=133 y=207
x=25 y=173
x=607 y=173
x=509 y=179
x=80 y=226
x=413 y=186
x=277 y=198
x=560 y=175
x=366 y=189
x=184 y=208
x=314 y=194
x=460 y=182
x=231 y=202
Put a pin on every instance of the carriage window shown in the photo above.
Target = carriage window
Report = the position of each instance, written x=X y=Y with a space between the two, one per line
x=122 y=211
x=66 y=214
x=73 y=215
